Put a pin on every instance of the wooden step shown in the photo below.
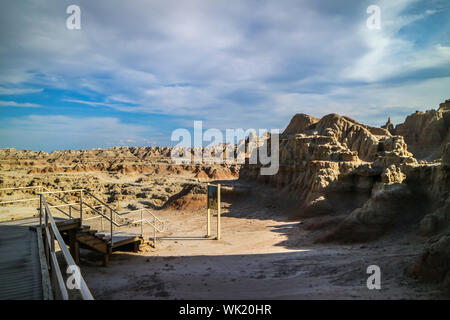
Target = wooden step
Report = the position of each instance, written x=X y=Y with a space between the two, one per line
x=85 y=228
x=81 y=236
x=87 y=232
x=95 y=244
x=84 y=233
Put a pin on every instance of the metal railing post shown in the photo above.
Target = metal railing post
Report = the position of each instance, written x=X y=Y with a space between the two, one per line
x=142 y=234
x=154 y=231
x=47 y=231
x=40 y=210
x=81 y=207
x=52 y=241
x=111 y=225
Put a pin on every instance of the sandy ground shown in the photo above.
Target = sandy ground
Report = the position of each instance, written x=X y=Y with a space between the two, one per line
x=262 y=255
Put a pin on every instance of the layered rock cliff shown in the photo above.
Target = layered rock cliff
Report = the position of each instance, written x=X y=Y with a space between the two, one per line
x=426 y=133
x=332 y=164
x=372 y=177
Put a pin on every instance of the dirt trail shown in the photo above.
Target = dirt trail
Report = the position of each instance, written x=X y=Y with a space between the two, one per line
x=262 y=255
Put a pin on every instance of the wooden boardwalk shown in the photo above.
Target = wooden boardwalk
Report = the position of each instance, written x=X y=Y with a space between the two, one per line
x=23 y=270
x=20 y=267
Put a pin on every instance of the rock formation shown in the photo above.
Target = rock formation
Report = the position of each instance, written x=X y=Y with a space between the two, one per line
x=427 y=133
x=371 y=177
x=332 y=164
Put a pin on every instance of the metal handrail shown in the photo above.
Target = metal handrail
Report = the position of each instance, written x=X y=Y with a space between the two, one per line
x=62 y=191
x=61 y=199
x=19 y=188
x=157 y=224
x=101 y=215
x=156 y=218
x=154 y=224
x=59 y=209
x=52 y=234
x=19 y=200
x=32 y=199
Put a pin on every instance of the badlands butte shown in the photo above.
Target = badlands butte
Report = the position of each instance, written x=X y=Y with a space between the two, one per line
x=339 y=181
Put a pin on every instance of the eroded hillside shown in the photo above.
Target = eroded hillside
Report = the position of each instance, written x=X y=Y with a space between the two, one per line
x=367 y=181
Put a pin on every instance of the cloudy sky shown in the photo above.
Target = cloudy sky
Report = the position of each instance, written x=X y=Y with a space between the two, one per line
x=137 y=70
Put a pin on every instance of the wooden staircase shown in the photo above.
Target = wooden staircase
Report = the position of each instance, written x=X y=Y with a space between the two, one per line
x=77 y=207
x=100 y=241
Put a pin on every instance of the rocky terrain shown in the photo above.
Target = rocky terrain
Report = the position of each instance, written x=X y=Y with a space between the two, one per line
x=369 y=181
x=363 y=182
x=119 y=174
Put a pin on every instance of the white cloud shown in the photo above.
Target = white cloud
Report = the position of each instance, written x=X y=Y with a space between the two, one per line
x=18 y=104
x=232 y=64
x=61 y=132
x=389 y=54
x=368 y=104
x=17 y=91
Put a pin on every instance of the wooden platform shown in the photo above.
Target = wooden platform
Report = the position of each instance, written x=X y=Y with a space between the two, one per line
x=23 y=271
x=20 y=267
x=121 y=238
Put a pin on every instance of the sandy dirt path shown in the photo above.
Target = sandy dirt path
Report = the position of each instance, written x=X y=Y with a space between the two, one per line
x=261 y=256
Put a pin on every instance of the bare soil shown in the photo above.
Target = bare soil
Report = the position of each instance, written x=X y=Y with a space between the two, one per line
x=262 y=255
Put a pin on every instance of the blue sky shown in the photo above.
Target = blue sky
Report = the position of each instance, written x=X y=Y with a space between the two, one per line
x=137 y=70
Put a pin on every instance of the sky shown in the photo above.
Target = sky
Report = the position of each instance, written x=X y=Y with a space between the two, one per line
x=137 y=70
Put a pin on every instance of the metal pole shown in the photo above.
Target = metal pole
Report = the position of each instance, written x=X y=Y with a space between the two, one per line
x=40 y=210
x=208 y=214
x=218 y=211
x=46 y=217
x=111 y=225
x=142 y=234
x=52 y=242
x=47 y=249
x=208 y=224
x=81 y=207
x=52 y=249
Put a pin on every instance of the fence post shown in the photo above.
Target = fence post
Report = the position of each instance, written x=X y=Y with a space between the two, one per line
x=52 y=242
x=53 y=270
x=154 y=230
x=111 y=220
x=142 y=234
x=218 y=211
x=47 y=232
x=81 y=207
x=40 y=210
